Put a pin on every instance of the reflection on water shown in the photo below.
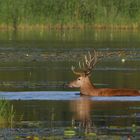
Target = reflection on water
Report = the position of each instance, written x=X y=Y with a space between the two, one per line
x=32 y=60
x=83 y=115
x=82 y=111
x=41 y=61
x=106 y=117
x=79 y=116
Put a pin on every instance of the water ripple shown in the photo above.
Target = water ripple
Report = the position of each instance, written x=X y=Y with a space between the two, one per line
x=59 y=95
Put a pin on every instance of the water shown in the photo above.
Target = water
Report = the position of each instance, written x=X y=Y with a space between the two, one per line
x=35 y=65
x=42 y=60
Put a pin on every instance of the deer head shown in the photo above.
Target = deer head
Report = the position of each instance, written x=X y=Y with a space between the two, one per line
x=85 y=68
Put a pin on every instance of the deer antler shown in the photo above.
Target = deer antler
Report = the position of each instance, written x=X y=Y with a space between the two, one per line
x=88 y=64
x=77 y=73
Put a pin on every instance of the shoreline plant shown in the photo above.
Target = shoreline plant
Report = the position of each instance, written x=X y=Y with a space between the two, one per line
x=24 y=14
x=7 y=113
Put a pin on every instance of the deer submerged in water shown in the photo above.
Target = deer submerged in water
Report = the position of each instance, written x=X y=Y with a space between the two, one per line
x=87 y=88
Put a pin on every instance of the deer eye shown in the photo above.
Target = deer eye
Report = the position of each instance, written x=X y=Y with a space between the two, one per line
x=79 y=79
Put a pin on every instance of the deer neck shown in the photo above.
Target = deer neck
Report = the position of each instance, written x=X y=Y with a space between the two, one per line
x=87 y=87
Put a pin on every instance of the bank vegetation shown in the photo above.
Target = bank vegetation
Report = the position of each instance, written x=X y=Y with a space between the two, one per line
x=24 y=14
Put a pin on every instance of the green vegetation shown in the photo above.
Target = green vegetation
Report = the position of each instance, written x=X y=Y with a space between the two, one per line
x=69 y=13
x=6 y=113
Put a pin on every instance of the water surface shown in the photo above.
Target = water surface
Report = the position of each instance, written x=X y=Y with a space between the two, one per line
x=41 y=60
x=39 y=63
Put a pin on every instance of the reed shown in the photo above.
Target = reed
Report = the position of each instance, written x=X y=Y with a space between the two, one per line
x=60 y=14
x=6 y=113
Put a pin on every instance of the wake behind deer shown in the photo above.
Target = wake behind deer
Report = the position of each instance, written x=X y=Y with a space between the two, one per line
x=87 y=87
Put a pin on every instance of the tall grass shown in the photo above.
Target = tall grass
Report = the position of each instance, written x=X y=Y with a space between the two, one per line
x=17 y=13
x=6 y=113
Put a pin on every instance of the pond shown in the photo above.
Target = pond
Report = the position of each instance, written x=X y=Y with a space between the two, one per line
x=36 y=65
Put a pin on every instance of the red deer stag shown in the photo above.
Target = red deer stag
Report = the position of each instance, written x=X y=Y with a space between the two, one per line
x=87 y=88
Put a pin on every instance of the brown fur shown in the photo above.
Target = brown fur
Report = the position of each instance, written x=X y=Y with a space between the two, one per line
x=87 y=88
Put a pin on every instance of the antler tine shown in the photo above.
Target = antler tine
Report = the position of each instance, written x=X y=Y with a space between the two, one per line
x=94 y=59
x=87 y=61
x=89 y=55
x=91 y=62
x=80 y=65
x=88 y=64
x=77 y=73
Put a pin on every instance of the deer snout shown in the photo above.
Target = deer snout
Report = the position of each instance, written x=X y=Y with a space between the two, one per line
x=69 y=85
x=73 y=84
x=65 y=85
